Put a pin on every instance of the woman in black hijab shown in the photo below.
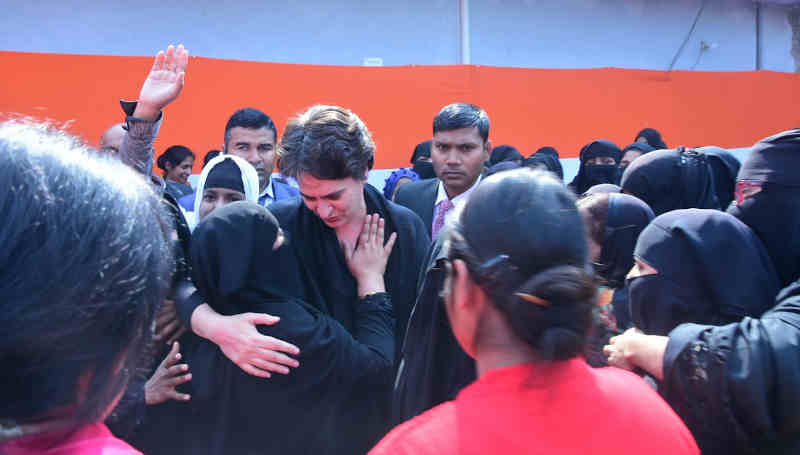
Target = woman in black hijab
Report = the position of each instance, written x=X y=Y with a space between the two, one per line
x=546 y=158
x=421 y=161
x=599 y=160
x=701 y=266
x=768 y=199
x=652 y=137
x=602 y=188
x=632 y=152
x=239 y=266
x=614 y=222
x=503 y=153
x=671 y=180
x=725 y=168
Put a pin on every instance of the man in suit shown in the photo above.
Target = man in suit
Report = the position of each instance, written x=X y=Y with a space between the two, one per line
x=459 y=148
x=251 y=135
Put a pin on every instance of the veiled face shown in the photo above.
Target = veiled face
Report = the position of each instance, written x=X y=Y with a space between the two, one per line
x=336 y=202
x=214 y=198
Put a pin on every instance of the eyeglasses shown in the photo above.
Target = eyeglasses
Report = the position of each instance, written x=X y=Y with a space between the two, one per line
x=746 y=189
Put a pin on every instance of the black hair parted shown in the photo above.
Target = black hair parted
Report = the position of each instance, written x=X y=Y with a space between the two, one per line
x=173 y=155
x=462 y=115
x=523 y=241
x=251 y=119
x=328 y=143
x=85 y=262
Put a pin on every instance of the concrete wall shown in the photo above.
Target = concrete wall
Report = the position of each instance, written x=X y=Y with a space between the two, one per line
x=522 y=33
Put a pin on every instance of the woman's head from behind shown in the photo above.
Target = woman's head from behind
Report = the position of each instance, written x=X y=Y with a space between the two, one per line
x=518 y=268
x=85 y=261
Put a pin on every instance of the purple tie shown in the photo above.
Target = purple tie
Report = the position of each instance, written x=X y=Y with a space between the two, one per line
x=444 y=207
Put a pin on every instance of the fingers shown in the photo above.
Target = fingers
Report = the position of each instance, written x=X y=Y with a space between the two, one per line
x=175 y=395
x=276 y=357
x=175 y=370
x=266 y=365
x=178 y=380
x=181 y=58
x=261 y=318
x=380 y=231
x=390 y=244
x=253 y=371
x=170 y=63
x=175 y=336
x=158 y=64
x=363 y=239
x=173 y=356
x=274 y=344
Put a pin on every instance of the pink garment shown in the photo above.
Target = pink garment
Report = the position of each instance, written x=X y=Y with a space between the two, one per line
x=93 y=439
x=444 y=207
x=547 y=408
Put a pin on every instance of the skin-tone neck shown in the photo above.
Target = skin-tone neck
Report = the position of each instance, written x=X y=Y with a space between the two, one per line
x=497 y=346
x=348 y=233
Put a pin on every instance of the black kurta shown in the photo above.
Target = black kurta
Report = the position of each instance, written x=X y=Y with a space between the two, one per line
x=328 y=284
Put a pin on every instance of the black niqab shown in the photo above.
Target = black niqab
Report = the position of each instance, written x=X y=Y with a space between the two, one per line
x=503 y=153
x=725 y=168
x=547 y=158
x=588 y=175
x=774 y=212
x=712 y=269
x=653 y=138
x=670 y=180
x=423 y=168
x=627 y=217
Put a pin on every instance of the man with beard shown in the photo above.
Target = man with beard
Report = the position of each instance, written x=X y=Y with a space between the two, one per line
x=250 y=134
x=459 y=148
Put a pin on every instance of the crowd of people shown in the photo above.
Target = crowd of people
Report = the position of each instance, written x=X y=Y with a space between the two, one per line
x=474 y=304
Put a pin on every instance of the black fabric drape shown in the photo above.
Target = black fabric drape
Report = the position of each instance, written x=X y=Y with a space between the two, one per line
x=712 y=269
x=735 y=386
x=725 y=168
x=328 y=284
x=590 y=175
x=237 y=271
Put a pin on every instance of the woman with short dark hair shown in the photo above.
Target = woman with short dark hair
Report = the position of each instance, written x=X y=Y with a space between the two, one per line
x=84 y=265
x=518 y=295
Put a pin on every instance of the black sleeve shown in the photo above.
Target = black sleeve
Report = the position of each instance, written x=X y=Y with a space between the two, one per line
x=328 y=352
x=130 y=412
x=736 y=386
x=187 y=299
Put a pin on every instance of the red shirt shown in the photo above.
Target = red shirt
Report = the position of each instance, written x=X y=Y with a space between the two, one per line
x=94 y=439
x=549 y=408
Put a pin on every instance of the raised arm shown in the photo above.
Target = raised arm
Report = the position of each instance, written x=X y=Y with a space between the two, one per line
x=161 y=87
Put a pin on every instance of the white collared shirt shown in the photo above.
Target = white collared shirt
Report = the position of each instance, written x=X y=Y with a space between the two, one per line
x=457 y=201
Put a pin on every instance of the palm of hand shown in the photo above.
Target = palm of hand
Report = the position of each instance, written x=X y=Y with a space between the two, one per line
x=165 y=80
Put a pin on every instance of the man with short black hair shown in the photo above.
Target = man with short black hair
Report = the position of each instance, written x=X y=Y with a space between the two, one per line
x=459 y=148
x=251 y=135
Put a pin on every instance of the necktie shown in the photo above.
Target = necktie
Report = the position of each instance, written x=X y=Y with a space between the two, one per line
x=444 y=207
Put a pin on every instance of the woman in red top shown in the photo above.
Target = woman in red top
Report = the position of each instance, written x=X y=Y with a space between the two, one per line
x=518 y=296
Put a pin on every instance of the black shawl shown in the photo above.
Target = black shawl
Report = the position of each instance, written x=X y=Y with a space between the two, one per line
x=725 y=168
x=237 y=271
x=712 y=269
x=546 y=157
x=328 y=284
x=671 y=180
x=503 y=153
x=653 y=138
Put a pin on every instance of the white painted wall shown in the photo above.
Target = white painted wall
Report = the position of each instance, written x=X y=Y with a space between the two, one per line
x=521 y=33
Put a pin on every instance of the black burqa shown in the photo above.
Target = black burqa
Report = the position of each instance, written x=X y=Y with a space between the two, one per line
x=653 y=138
x=591 y=175
x=641 y=147
x=671 y=180
x=547 y=158
x=725 y=168
x=503 y=153
x=712 y=269
x=736 y=386
x=328 y=284
x=423 y=168
x=237 y=271
x=774 y=213
x=627 y=217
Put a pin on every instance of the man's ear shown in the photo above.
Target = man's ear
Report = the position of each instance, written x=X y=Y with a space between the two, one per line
x=488 y=149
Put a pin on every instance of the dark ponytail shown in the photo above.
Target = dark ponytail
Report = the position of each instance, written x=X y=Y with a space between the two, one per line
x=551 y=311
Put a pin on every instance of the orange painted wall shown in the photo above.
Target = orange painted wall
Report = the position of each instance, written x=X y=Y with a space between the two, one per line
x=528 y=108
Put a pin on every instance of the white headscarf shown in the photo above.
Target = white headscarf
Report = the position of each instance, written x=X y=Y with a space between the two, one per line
x=249 y=182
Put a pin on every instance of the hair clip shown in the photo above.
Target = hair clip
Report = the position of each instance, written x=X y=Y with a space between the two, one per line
x=533 y=299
